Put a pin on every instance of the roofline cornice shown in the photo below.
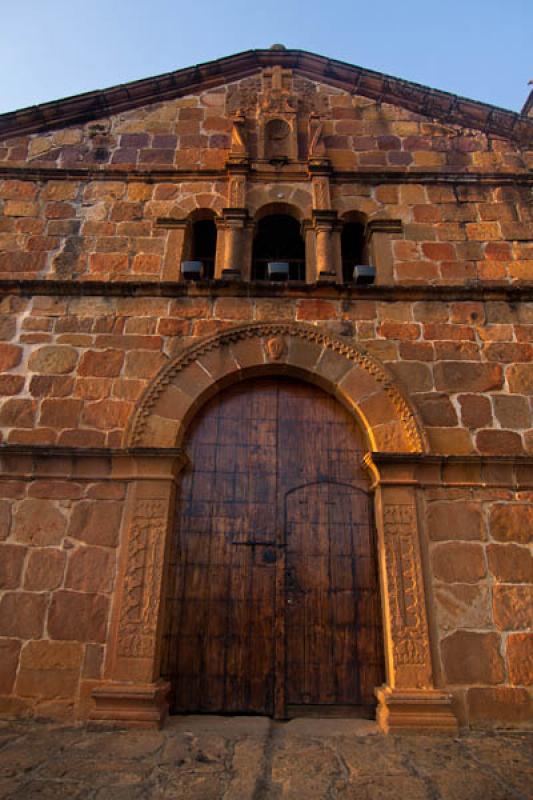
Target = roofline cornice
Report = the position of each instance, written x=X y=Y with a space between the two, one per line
x=528 y=105
x=432 y=103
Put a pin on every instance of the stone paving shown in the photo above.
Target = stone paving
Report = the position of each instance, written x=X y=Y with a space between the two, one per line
x=251 y=758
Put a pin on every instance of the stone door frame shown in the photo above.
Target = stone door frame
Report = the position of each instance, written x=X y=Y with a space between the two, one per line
x=132 y=691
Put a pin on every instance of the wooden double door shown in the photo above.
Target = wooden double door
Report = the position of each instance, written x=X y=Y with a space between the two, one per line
x=273 y=601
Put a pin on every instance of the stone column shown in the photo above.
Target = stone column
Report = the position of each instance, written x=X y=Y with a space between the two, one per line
x=234 y=222
x=132 y=691
x=409 y=699
x=324 y=222
x=380 y=235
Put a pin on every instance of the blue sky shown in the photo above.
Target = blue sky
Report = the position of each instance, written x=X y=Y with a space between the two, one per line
x=50 y=49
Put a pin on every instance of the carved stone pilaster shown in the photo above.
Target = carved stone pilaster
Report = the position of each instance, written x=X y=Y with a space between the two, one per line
x=237 y=177
x=138 y=615
x=409 y=699
x=411 y=662
x=131 y=691
x=321 y=192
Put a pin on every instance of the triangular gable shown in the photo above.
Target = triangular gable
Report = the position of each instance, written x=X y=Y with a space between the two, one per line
x=377 y=86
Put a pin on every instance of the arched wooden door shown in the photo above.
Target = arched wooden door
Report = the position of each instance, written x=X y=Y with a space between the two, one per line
x=273 y=602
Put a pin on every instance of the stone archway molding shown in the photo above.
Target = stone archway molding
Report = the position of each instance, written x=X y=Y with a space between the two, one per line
x=132 y=690
x=356 y=378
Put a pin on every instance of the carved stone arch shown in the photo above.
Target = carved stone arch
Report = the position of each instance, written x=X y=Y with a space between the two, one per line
x=132 y=690
x=358 y=380
x=202 y=213
x=275 y=207
x=200 y=238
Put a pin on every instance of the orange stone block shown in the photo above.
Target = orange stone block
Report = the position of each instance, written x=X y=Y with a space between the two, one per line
x=520 y=658
x=458 y=562
x=470 y=657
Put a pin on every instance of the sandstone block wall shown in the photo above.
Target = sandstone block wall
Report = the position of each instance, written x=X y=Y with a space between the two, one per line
x=82 y=226
x=59 y=539
x=107 y=229
x=74 y=369
x=482 y=567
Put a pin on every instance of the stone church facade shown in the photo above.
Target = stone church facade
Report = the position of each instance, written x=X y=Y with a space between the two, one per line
x=113 y=367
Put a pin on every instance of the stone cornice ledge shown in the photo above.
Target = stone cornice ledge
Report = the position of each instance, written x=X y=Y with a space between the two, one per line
x=30 y=462
x=514 y=472
x=516 y=292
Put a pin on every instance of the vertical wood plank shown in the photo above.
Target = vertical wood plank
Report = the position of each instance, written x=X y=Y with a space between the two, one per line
x=274 y=597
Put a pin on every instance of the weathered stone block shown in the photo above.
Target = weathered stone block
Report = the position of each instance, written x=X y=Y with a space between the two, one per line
x=520 y=658
x=60 y=413
x=9 y=659
x=458 y=562
x=513 y=607
x=96 y=523
x=93 y=661
x=49 y=669
x=11 y=384
x=316 y=309
x=499 y=707
x=476 y=410
x=101 y=363
x=17 y=413
x=450 y=441
x=143 y=364
x=22 y=615
x=512 y=411
x=38 y=523
x=463 y=605
x=520 y=378
x=51 y=386
x=499 y=442
x=107 y=414
x=437 y=410
x=460 y=519
x=11 y=563
x=91 y=569
x=418 y=377
x=512 y=522
x=10 y=356
x=510 y=563
x=470 y=657
x=458 y=376
x=53 y=360
x=45 y=569
x=78 y=617
x=5 y=519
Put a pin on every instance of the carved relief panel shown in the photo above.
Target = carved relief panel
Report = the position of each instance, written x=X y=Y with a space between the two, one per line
x=142 y=583
x=408 y=628
x=277 y=117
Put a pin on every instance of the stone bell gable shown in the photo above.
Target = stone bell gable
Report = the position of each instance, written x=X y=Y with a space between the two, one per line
x=112 y=358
